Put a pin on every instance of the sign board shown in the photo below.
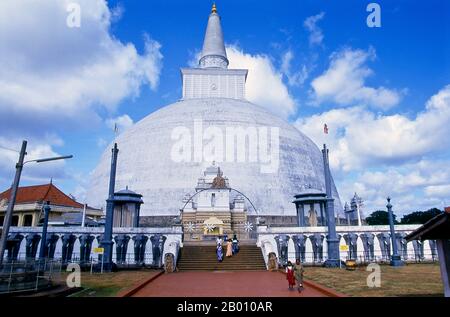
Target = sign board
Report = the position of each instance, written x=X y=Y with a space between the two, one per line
x=343 y=247
x=99 y=250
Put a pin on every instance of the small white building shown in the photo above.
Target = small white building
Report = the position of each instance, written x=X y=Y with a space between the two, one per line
x=215 y=209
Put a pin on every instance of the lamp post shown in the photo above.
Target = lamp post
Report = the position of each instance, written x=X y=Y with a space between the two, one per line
x=14 y=188
x=44 y=231
x=332 y=240
x=395 y=258
x=107 y=243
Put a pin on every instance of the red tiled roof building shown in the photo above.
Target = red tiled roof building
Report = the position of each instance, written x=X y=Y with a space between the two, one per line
x=29 y=201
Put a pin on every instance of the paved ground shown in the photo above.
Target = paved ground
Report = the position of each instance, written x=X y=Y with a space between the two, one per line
x=221 y=283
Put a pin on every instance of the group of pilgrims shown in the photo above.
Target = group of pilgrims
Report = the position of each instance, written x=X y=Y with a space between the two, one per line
x=294 y=275
x=232 y=247
x=294 y=272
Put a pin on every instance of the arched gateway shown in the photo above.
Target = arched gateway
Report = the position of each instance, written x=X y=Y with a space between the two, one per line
x=215 y=209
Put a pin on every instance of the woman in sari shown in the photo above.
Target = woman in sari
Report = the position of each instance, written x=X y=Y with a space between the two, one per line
x=290 y=275
x=229 y=248
x=298 y=273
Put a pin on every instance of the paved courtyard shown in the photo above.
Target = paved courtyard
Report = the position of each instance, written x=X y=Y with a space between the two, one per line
x=221 y=283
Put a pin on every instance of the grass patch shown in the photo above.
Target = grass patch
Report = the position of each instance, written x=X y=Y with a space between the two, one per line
x=110 y=284
x=409 y=280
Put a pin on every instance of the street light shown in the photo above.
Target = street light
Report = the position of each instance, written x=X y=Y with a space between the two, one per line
x=395 y=258
x=14 y=188
x=50 y=159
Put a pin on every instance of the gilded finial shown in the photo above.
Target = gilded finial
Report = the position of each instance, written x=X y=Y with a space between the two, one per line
x=214 y=9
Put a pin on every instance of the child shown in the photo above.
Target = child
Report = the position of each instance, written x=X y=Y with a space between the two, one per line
x=290 y=275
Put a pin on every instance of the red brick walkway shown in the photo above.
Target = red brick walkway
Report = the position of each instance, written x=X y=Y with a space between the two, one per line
x=221 y=283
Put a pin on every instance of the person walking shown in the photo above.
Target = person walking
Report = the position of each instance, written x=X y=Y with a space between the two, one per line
x=229 y=248
x=298 y=274
x=235 y=244
x=219 y=250
x=290 y=275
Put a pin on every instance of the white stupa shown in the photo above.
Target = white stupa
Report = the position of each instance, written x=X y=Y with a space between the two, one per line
x=213 y=99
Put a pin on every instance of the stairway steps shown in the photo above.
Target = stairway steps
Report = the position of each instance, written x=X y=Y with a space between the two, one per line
x=203 y=258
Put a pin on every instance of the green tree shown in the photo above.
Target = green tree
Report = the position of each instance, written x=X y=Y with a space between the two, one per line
x=420 y=217
x=379 y=217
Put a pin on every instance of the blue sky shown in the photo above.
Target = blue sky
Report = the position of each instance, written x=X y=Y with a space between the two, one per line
x=62 y=88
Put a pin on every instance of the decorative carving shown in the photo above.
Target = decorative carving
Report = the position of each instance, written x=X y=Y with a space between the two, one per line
x=312 y=217
x=219 y=181
x=272 y=262
x=169 y=263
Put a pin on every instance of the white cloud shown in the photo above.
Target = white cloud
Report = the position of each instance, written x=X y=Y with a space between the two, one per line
x=315 y=33
x=47 y=67
x=442 y=191
x=295 y=78
x=265 y=85
x=32 y=171
x=344 y=82
x=122 y=122
x=381 y=155
x=415 y=186
x=359 y=137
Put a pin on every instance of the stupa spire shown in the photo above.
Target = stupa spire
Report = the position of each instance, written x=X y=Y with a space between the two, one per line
x=213 y=52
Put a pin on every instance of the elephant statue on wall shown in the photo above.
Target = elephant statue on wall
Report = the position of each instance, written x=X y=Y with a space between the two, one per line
x=282 y=246
x=85 y=247
x=418 y=250
x=32 y=242
x=140 y=242
x=385 y=245
x=50 y=246
x=13 y=246
x=317 y=246
x=300 y=246
x=402 y=244
x=433 y=248
x=68 y=240
x=121 y=247
x=368 y=244
x=351 y=240
x=157 y=249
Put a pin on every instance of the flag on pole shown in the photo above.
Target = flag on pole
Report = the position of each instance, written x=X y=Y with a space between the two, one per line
x=116 y=129
x=325 y=128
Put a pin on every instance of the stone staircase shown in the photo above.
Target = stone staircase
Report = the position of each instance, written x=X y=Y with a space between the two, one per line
x=203 y=258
